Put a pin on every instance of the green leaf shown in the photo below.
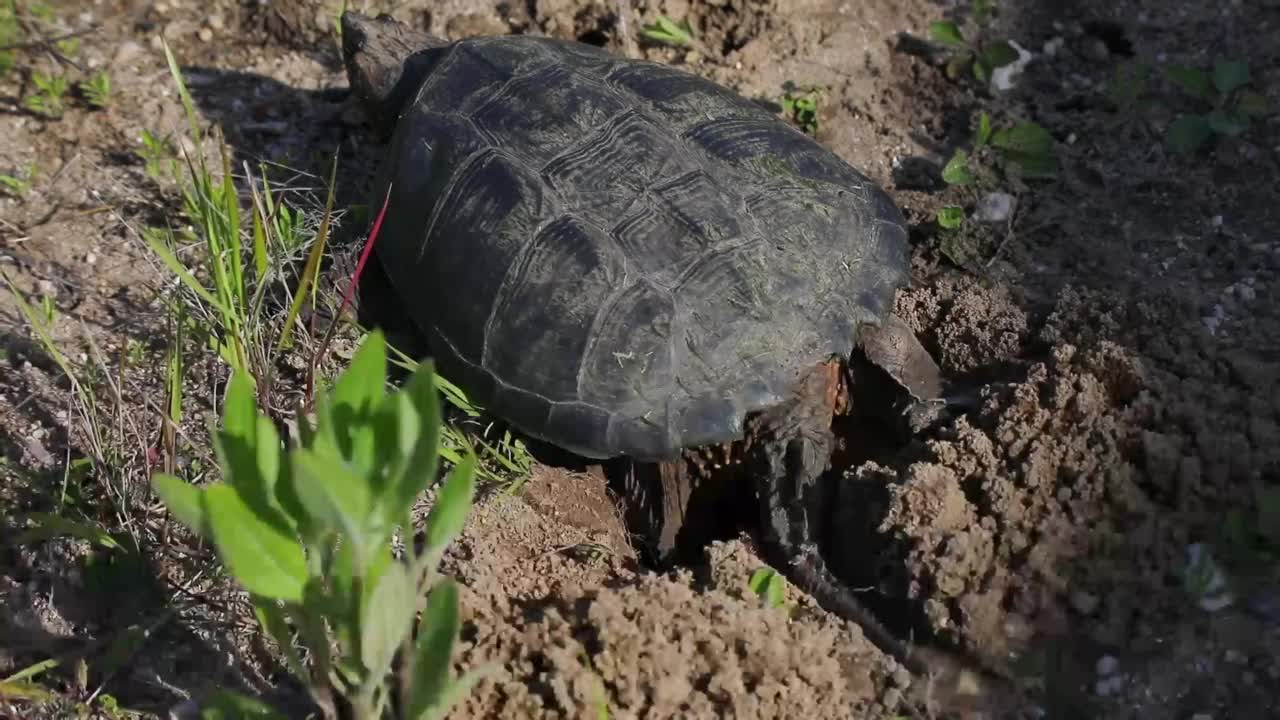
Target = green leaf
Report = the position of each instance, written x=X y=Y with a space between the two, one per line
x=421 y=458
x=1043 y=166
x=1195 y=83
x=228 y=705
x=1187 y=133
x=49 y=525
x=956 y=171
x=1228 y=123
x=248 y=449
x=363 y=384
x=950 y=217
x=981 y=71
x=449 y=514
x=769 y=586
x=184 y=500
x=998 y=54
x=1229 y=75
x=261 y=557
x=946 y=32
x=957 y=65
x=983 y=134
x=1252 y=104
x=335 y=496
x=1027 y=137
x=387 y=618
x=356 y=397
x=433 y=652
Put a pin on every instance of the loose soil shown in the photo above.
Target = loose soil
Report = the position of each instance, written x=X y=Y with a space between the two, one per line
x=1120 y=330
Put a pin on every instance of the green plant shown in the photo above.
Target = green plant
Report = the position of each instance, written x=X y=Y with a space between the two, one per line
x=1027 y=145
x=9 y=33
x=157 y=154
x=1127 y=91
x=51 y=91
x=801 y=106
x=1228 y=106
x=972 y=53
x=668 y=31
x=769 y=586
x=1250 y=541
x=20 y=183
x=308 y=531
x=950 y=217
x=97 y=89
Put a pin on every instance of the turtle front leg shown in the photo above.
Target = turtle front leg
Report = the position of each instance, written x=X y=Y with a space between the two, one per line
x=792 y=459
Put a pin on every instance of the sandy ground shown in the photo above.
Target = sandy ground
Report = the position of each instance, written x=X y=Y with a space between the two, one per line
x=1121 y=326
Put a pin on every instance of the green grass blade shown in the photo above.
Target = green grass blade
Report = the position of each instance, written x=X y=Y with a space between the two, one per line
x=312 y=268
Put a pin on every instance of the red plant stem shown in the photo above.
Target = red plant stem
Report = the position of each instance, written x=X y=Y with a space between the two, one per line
x=346 y=298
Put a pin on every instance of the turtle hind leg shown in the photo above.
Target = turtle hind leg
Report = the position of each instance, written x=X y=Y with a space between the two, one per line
x=794 y=446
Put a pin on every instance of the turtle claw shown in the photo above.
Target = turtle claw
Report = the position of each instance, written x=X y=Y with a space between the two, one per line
x=925 y=415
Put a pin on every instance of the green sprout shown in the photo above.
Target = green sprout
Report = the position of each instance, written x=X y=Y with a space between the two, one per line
x=769 y=586
x=1027 y=145
x=668 y=31
x=97 y=89
x=48 y=100
x=1229 y=107
x=801 y=106
x=19 y=184
x=971 y=53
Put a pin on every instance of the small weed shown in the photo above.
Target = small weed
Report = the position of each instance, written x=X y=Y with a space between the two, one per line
x=19 y=185
x=1229 y=107
x=158 y=155
x=308 y=532
x=801 y=106
x=769 y=586
x=22 y=686
x=69 y=47
x=97 y=89
x=1250 y=541
x=972 y=53
x=1127 y=91
x=669 y=32
x=9 y=34
x=950 y=217
x=1027 y=145
x=50 y=96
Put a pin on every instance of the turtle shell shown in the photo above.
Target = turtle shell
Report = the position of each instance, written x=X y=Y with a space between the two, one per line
x=617 y=256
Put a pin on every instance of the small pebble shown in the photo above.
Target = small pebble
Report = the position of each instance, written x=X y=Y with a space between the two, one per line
x=1106 y=665
x=205 y=34
x=995 y=207
x=1109 y=686
x=1095 y=50
x=1084 y=603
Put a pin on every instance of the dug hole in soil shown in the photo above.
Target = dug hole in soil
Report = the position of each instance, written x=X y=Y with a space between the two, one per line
x=1121 y=326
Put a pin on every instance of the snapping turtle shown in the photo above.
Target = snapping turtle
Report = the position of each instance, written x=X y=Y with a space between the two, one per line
x=626 y=260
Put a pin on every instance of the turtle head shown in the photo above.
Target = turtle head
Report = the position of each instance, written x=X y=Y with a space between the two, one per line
x=385 y=62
